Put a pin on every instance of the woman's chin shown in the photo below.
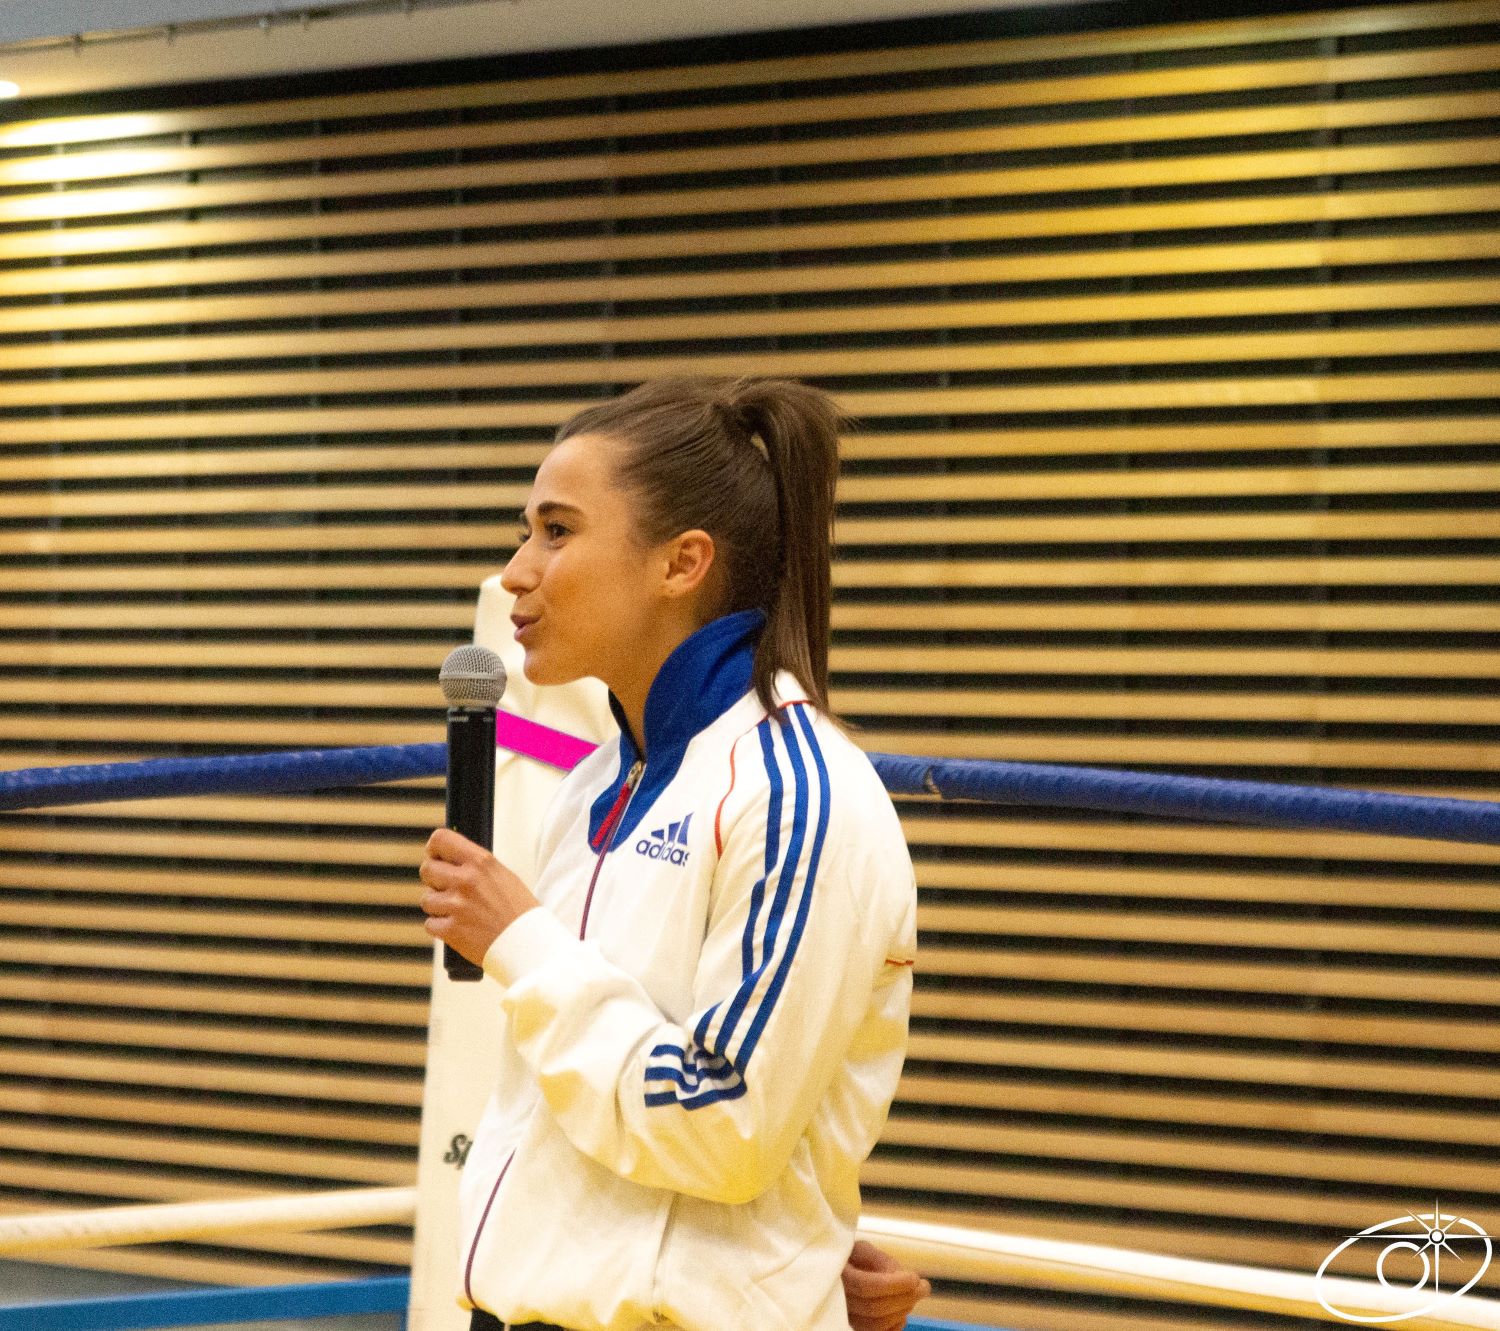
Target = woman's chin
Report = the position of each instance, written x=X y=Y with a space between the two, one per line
x=539 y=670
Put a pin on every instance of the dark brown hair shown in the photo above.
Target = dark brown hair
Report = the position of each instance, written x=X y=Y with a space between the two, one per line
x=754 y=463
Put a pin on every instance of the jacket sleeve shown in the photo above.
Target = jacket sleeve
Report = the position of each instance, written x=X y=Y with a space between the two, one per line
x=714 y=1106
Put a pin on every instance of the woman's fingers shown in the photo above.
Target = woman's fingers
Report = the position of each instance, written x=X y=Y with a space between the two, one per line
x=878 y=1290
x=445 y=876
x=454 y=847
x=867 y=1257
x=472 y=898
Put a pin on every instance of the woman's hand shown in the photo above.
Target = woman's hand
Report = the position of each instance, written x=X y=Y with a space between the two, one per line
x=880 y=1291
x=471 y=898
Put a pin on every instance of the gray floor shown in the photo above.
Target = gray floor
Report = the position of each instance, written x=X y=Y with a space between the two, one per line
x=25 y=1282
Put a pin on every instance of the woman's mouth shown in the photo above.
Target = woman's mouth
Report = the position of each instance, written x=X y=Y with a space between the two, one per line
x=523 y=625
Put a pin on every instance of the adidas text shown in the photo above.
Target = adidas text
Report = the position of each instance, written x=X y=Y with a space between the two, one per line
x=666 y=843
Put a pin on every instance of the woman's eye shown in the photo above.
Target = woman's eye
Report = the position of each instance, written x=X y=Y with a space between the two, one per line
x=522 y=535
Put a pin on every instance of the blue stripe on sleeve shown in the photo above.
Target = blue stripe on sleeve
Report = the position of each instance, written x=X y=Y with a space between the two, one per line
x=803 y=906
x=704 y=1075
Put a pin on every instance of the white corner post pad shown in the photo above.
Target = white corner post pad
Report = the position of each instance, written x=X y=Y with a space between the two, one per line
x=463 y=1032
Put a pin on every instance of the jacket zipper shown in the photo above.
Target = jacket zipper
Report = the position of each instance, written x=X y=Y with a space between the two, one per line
x=606 y=835
x=479 y=1228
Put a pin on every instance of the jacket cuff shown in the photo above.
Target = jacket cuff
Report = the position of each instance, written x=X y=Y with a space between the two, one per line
x=532 y=940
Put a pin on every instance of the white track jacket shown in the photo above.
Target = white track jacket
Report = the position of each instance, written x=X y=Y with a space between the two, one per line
x=704 y=1024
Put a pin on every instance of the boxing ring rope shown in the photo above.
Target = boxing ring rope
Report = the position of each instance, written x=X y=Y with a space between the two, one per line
x=1104 y=790
x=934 y=1249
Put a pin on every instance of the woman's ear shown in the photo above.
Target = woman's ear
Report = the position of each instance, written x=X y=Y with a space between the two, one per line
x=690 y=561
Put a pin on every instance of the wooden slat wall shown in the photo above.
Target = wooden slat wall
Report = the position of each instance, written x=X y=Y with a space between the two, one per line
x=1176 y=354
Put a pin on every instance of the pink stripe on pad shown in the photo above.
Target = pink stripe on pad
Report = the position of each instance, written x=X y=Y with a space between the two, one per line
x=530 y=739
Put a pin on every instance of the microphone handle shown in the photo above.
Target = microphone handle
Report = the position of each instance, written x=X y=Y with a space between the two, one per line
x=471 y=798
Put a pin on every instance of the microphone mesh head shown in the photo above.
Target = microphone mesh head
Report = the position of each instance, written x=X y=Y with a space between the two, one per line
x=472 y=676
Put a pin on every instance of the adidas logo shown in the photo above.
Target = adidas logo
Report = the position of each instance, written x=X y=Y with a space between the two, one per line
x=669 y=843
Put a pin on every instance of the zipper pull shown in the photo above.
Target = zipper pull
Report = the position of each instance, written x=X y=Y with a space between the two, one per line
x=627 y=788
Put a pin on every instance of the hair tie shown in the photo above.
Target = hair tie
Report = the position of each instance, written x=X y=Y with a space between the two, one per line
x=744 y=422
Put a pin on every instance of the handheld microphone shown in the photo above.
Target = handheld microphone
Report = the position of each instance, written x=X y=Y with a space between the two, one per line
x=473 y=680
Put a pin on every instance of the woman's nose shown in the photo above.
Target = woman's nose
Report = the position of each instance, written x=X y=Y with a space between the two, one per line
x=518 y=575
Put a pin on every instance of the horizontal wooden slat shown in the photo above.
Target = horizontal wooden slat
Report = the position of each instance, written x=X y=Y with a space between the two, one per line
x=1169 y=837
x=353 y=733
x=219 y=998
x=337 y=1048
x=189 y=921
x=288 y=809
x=1353 y=662
x=351 y=1166
x=45 y=206
x=1206 y=571
x=1441 y=340
x=1264 y=1109
x=1374 y=524
x=1333 y=661
x=424 y=657
x=1139 y=1191
x=1392 y=430
x=1393 y=708
x=934 y=314
x=1173 y=37
x=842 y=239
x=49 y=168
x=1127 y=751
x=203 y=883
x=268 y=499
x=205 y=462
x=397 y=574
x=1237 y=1021
x=385 y=1087
x=1353 y=981
x=1389 y=710
x=211 y=615
x=396 y=849
x=1430 y=891
x=1334 y=1071
x=1191 y=929
x=1433 y=478
x=1175 y=394
x=201 y=959
x=1451 y=523
x=1184 y=482
x=1136 y=1148
x=1182 y=617
x=76 y=1104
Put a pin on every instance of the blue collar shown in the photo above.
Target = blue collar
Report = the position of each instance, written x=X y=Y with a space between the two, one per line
x=706 y=674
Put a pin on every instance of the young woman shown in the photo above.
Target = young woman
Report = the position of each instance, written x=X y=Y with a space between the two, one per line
x=706 y=990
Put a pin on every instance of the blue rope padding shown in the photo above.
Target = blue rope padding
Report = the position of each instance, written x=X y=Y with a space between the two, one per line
x=237 y=774
x=1261 y=803
x=213 y=1307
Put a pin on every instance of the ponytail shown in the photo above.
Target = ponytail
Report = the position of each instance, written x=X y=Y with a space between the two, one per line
x=754 y=463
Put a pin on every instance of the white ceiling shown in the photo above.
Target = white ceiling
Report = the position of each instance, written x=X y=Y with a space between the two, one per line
x=372 y=34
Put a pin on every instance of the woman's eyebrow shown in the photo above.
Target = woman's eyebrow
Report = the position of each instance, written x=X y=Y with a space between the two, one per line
x=552 y=506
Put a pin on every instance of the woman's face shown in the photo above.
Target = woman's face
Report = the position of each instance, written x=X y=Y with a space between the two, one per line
x=587 y=589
